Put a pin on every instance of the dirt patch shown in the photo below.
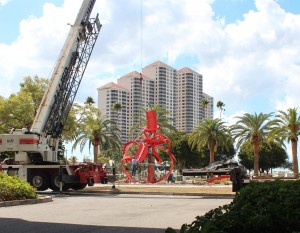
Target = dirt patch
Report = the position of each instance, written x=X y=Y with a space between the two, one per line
x=171 y=189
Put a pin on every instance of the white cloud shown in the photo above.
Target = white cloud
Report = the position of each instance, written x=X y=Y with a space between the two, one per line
x=36 y=48
x=3 y=2
x=258 y=55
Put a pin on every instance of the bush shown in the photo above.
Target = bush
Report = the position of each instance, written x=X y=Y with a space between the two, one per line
x=12 y=188
x=267 y=207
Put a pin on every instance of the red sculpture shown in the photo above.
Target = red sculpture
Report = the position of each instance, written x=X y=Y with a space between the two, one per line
x=148 y=143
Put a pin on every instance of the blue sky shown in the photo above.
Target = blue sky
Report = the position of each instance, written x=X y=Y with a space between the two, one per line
x=248 y=51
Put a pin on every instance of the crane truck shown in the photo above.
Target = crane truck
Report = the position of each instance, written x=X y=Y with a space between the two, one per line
x=35 y=150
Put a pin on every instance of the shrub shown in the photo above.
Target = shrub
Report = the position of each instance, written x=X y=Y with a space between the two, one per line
x=12 y=188
x=267 y=207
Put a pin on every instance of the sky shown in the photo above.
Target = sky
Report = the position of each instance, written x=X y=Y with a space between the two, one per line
x=248 y=51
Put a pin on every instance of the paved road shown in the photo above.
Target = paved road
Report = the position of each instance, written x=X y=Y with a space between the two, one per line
x=116 y=213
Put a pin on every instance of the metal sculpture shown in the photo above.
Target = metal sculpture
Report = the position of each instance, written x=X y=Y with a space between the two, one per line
x=148 y=144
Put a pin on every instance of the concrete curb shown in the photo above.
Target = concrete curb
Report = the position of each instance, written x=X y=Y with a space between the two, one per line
x=155 y=193
x=40 y=199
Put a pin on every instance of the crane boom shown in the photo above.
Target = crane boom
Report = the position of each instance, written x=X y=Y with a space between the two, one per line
x=40 y=144
x=35 y=150
x=67 y=74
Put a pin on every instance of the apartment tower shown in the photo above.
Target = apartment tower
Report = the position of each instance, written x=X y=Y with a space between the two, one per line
x=181 y=92
x=165 y=88
x=110 y=94
x=190 y=112
x=141 y=93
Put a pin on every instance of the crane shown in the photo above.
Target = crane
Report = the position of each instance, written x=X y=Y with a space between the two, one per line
x=36 y=149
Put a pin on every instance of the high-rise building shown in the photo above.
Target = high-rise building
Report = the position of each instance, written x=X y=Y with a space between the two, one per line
x=141 y=93
x=165 y=89
x=108 y=96
x=190 y=112
x=181 y=92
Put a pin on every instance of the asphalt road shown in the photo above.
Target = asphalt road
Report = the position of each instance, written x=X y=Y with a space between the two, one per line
x=116 y=213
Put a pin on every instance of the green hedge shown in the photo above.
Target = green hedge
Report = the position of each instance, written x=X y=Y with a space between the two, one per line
x=267 y=207
x=12 y=188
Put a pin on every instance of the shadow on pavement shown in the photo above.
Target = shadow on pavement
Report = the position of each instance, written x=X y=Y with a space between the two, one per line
x=134 y=195
x=21 y=226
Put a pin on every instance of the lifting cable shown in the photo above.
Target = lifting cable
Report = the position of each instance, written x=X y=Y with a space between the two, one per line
x=141 y=77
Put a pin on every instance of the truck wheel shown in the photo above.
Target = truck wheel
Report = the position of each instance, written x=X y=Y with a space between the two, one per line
x=78 y=186
x=54 y=185
x=40 y=181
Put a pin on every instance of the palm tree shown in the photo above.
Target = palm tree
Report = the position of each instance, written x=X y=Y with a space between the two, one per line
x=220 y=106
x=89 y=100
x=165 y=122
x=116 y=155
x=97 y=130
x=204 y=103
x=117 y=107
x=288 y=129
x=211 y=133
x=254 y=128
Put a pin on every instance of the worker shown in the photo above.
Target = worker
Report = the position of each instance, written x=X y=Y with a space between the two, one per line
x=171 y=178
x=133 y=163
x=114 y=175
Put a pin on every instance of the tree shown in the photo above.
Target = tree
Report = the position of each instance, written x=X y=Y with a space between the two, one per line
x=270 y=156
x=288 y=129
x=89 y=100
x=2 y=121
x=220 y=106
x=210 y=133
x=17 y=111
x=254 y=128
x=117 y=107
x=110 y=152
x=165 y=122
x=183 y=153
x=204 y=103
x=103 y=159
x=96 y=130
x=36 y=88
x=71 y=127
x=188 y=158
